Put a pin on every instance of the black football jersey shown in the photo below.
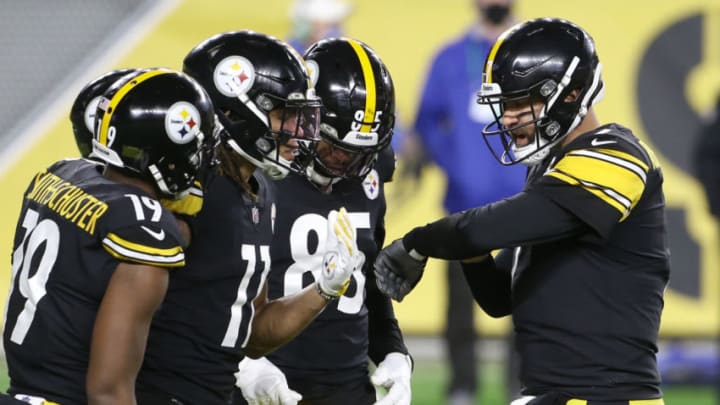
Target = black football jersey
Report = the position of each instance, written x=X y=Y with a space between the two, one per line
x=587 y=309
x=197 y=336
x=335 y=345
x=75 y=226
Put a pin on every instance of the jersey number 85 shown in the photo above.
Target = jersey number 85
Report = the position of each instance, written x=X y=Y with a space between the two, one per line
x=306 y=261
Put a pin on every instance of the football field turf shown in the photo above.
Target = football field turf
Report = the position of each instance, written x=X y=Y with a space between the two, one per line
x=430 y=375
x=429 y=379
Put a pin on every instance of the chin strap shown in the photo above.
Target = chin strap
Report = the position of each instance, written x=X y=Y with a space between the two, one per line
x=319 y=179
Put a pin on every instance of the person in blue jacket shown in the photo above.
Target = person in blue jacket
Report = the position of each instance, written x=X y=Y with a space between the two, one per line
x=449 y=126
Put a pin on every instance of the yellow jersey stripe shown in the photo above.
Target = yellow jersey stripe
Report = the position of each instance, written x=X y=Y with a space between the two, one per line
x=624 y=156
x=122 y=253
x=369 y=76
x=576 y=402
x=606 y=172
x=608 y=198
x=134 y=259
x=168 y=252
x=102 y=136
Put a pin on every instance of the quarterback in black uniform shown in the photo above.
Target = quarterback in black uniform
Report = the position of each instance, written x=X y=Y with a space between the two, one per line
x=587 y=260
x=93 y=245
x=215 y=310
x=328 y=362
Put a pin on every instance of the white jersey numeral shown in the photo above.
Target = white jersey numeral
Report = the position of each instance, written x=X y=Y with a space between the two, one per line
x=47 y=233
x=305 y=261
x=233 y=330
x=153 y=205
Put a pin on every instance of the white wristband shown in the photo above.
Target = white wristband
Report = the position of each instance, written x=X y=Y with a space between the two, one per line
x=417 y=256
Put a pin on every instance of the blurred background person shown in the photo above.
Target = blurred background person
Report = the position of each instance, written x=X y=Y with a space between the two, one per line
x=313 y=20
x=448 y=120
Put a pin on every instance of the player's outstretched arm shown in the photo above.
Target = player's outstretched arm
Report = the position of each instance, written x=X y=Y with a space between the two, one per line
x=121 y=329
x=277 y=322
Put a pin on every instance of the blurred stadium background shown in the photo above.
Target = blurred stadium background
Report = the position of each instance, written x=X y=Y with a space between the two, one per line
x=661 y=66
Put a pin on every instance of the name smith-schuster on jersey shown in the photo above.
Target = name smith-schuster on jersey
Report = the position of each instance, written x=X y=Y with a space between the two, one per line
x=75 y=227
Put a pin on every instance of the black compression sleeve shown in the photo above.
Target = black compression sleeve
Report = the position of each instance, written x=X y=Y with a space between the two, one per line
x=490 y=286
x=384 y=333
x=524 y=219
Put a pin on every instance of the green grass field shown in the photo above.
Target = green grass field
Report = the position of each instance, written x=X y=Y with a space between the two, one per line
x=429 y=380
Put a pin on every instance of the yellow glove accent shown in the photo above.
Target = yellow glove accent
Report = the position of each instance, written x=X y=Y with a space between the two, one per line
x=190 y=205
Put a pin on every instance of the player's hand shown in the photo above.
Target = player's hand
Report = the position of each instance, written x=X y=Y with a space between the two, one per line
x=262 y=383
x=189 y=205
x=393 y=374
x=396 y=271
x=342 y=256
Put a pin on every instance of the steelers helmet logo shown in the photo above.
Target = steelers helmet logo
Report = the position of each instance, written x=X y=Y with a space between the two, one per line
x=182 y=122
x=234 y=76
x=313 y=71
x=89 y=115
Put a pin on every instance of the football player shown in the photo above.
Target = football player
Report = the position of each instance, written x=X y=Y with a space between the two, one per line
x=328 y=362
x=93 y=246
x=586 y=259
x=216 y=310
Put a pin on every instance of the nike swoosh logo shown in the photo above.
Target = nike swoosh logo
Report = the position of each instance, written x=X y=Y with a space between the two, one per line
x=597 y=142
x=157 y=235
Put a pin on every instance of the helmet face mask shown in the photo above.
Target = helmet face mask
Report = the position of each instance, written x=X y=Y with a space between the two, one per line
x=340 y=159
x=358 y=114
x=262 y=95
x=548 y=61
x=152 y=124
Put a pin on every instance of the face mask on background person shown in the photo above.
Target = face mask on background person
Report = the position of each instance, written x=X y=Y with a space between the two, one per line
x=496 y=13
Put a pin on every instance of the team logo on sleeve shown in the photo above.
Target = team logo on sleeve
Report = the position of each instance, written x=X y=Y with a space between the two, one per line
x=371 y=185
x=182 y=122
x=234 y=76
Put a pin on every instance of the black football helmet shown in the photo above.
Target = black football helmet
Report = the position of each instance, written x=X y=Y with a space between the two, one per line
x=358 y=114
x=155 y=124
x=82 y=113
x=544 y=59
x=248 y=76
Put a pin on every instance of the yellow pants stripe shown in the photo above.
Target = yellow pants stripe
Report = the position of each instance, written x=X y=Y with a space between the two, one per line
x=658 y=401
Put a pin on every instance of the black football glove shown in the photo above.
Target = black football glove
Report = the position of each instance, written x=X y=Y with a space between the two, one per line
x=397 y=272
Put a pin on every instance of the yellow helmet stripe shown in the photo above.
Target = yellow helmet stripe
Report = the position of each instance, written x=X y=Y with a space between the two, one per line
x=118 y=96
x=369 y=76
x=492 y=54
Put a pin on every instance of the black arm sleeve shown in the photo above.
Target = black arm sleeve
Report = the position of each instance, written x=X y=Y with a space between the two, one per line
x=490 y=283
x=524 y=219
x=384 y=333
